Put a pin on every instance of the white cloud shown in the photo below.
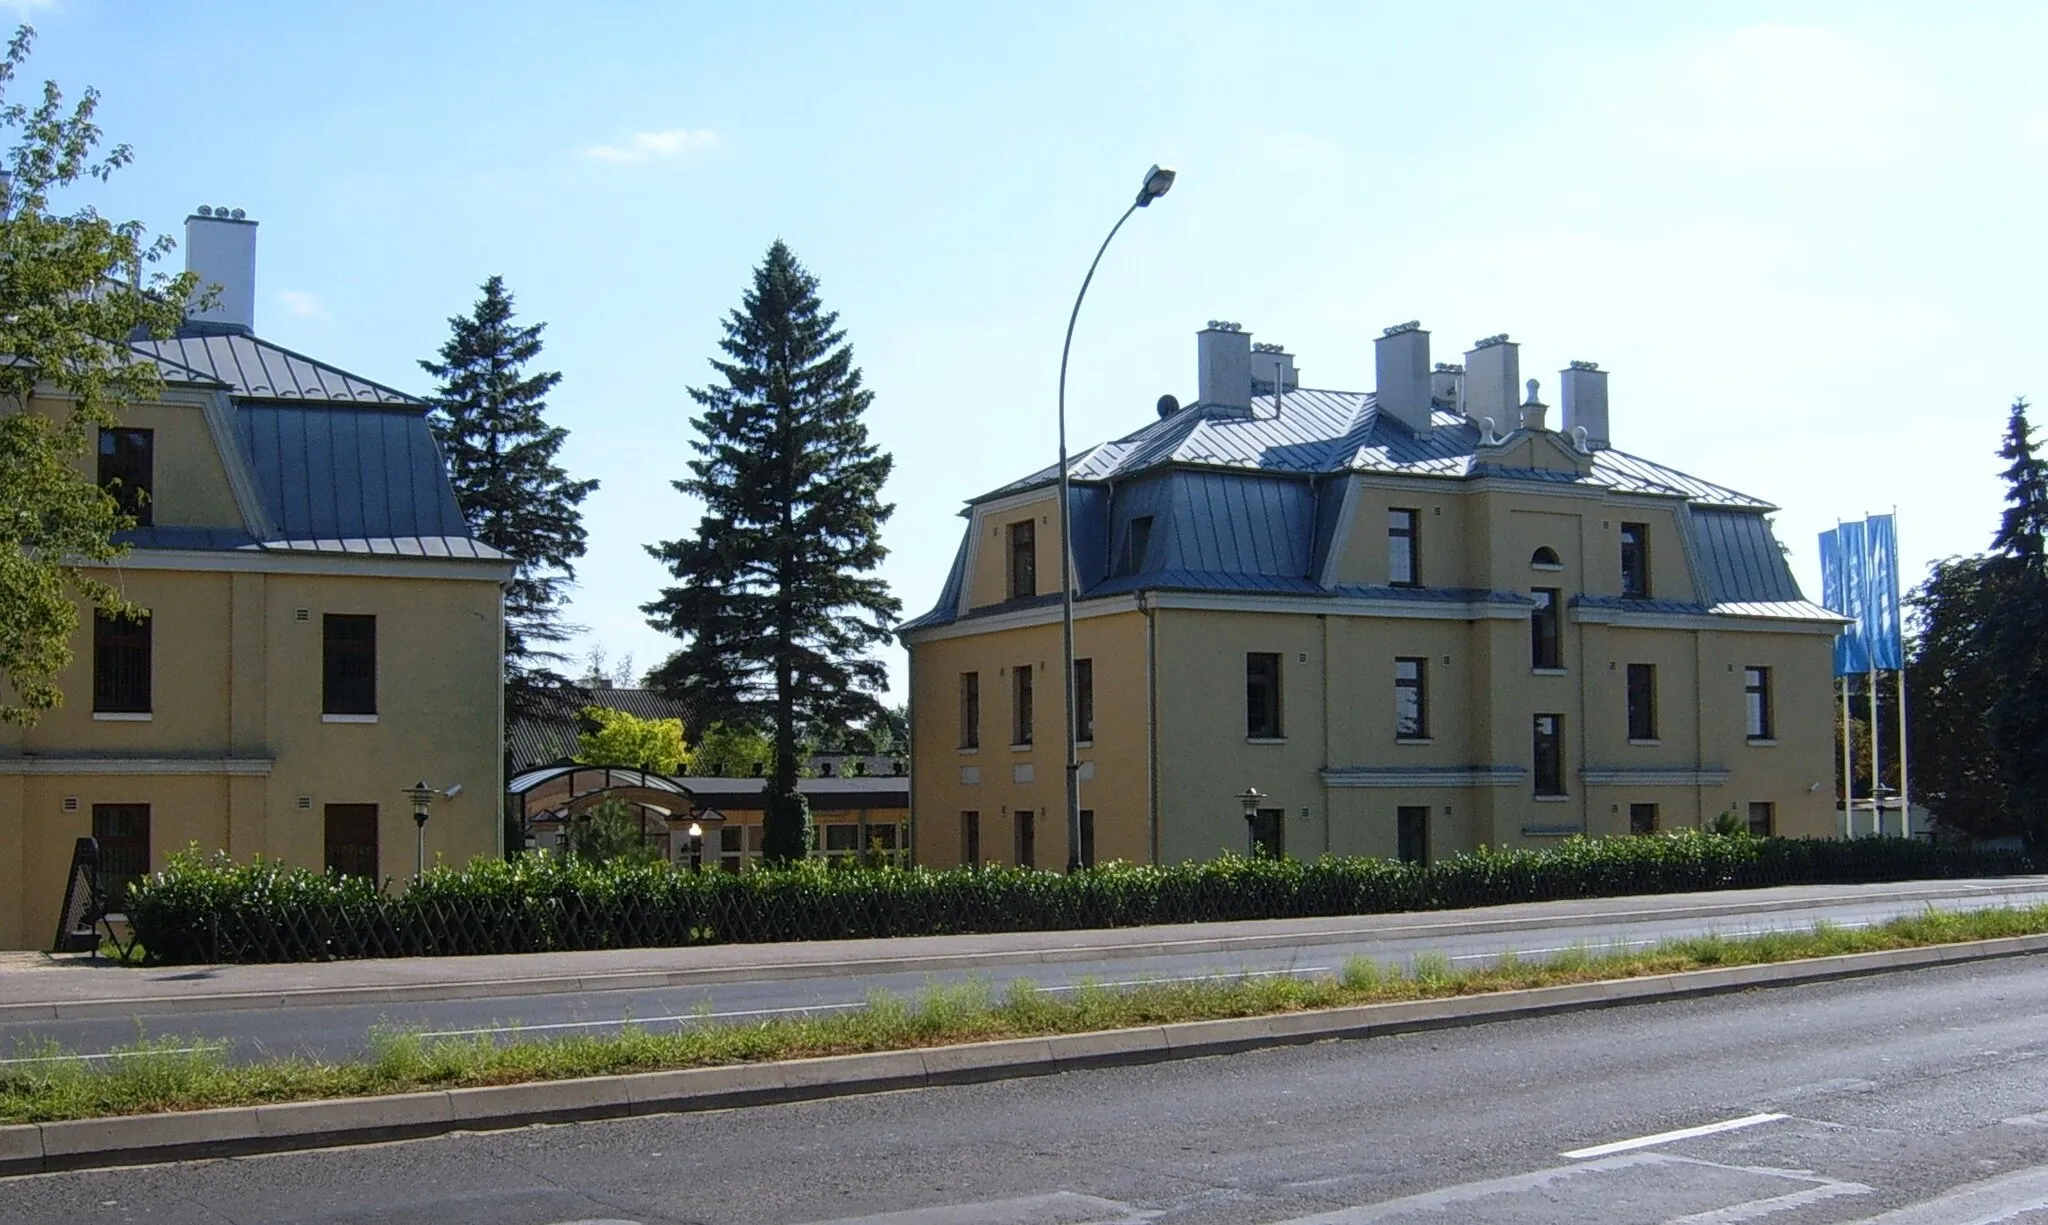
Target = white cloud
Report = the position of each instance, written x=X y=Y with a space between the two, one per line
x=649 y=146
x=302 y=304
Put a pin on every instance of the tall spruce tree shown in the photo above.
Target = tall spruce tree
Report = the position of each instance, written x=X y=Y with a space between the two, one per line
x=488 y=414
x=776 y=601
x=2016 y=627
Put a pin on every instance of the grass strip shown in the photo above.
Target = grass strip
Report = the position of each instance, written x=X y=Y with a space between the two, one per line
x=41 y=1082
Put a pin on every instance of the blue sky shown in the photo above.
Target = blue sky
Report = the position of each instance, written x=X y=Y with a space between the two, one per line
x=1808 y=240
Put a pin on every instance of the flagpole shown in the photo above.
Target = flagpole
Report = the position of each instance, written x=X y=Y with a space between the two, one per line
x=1848 y=775
x=1905 y=781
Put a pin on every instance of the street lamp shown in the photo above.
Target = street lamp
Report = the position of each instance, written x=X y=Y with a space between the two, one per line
x=1157 y=181
x=422 y=796
x=1250 y=797
x=696 y=832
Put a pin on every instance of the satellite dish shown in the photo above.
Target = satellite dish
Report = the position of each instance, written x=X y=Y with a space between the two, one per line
x=1168 y=406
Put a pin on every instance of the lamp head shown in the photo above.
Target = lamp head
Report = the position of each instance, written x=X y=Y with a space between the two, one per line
x=1157 y=181
x=696 y=830
x=1250 y=799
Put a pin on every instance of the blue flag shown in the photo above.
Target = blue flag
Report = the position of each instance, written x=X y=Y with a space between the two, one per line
x=1859 y=575
x=1882 y=636
x=1842 y=591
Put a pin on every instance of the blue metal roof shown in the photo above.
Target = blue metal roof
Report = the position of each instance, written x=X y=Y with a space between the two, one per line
x=256 y=369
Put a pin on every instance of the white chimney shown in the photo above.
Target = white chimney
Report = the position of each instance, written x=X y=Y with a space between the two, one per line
x=1493 y=368
x=1585 y=402
x=1224 y=353
x=220 y=246
x=1401 y=358
x=1273 y=370
x=1447 y=386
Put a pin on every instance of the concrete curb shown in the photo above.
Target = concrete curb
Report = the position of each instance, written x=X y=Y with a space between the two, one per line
x=239 y=1131
x=646 y=980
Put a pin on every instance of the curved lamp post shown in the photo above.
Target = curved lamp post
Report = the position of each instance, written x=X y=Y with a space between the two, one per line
x=1157 y=181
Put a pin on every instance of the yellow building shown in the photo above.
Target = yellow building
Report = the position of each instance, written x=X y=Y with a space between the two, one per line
x=1417 y=620
x=323 y=631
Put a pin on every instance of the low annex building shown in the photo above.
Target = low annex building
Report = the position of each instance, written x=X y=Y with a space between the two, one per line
x=1418 y=620
x=323 y=630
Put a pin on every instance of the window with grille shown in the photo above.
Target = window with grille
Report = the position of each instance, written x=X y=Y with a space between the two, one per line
x=122 y=832
x=121 y=664
x=349 y=658
x=128 y=471
x=351 y=838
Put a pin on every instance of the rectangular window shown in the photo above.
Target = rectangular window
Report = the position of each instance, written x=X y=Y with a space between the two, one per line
x=1027 y=838
x=1020 y=704
x=1642 y=701
x=121 y=664
x=1084 y=699
x=1635 y=561
x=1404 y=563
x=122 y=832
x=1642 y=818
x=739 y=848
x=841 y=841
x=1411 y=833
x=1087 y=838
x=1269 y=833
x=351 y=837
x=1763 y=819
x=128 y=471
x=970 y=839
x=1544 y=647
x=1411 y=699
x=1023 y=559
x=1137 y=542
x=1756 y=695
x=1549 y=754
x=970 y=710
x=349 y=664
x=1262 y=695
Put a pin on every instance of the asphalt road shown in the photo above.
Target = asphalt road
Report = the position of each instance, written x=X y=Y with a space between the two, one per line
x=1911 y=1099
x=338 y=1031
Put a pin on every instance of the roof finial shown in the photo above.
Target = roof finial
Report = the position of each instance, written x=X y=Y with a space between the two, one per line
x=1532 y=385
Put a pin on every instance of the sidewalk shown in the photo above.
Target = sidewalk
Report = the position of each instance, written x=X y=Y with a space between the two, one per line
x=37 y=988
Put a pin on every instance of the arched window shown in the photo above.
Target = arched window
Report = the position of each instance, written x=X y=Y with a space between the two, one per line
x=1545 y=558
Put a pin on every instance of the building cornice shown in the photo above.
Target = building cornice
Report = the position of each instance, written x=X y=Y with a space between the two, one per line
x=348 y=565
x=1023 y=618
x=231 y=766
x=1338 y=606
x=1424 y=776
x=1620 y=619
x=1654 y=776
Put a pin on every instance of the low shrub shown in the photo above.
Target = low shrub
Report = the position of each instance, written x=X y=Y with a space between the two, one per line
x=207 y=909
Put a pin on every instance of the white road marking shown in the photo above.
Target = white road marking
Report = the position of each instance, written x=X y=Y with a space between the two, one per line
x=1980 y=1203
x=1670 y=1137
x=181 y=1050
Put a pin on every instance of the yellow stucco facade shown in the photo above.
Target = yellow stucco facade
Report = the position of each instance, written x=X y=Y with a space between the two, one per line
x=235 y=749
x=1171 y=747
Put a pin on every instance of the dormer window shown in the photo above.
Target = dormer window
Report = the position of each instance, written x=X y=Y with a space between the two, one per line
x=1635 y=561
x=128 y=471
x=1023 y=559
x=1545 y=558
x=1137 y=539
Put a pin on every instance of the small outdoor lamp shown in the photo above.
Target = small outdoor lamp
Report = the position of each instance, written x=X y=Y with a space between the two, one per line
x=421 y=796
x=1251 y=798
x=696 y=832
x=1157 y=181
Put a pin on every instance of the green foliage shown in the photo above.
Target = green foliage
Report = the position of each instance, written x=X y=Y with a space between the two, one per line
x=1953 y=676
x=69 y=304
x=1726 y=822
x=777 y=603
x=609 y=832
x=488 y=415
x=200 y=910
x=618 y=738
x=785 y=824
x=732 y=750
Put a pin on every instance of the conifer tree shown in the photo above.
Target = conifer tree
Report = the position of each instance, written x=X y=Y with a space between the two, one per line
x=776 y=601
x=2016 y=629
x=489 y=417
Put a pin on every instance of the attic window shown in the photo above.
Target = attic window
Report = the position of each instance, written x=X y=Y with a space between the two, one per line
x=1545 y=558
x=1137 y=540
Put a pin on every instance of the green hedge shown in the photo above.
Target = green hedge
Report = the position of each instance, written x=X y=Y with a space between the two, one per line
x=210 y=910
